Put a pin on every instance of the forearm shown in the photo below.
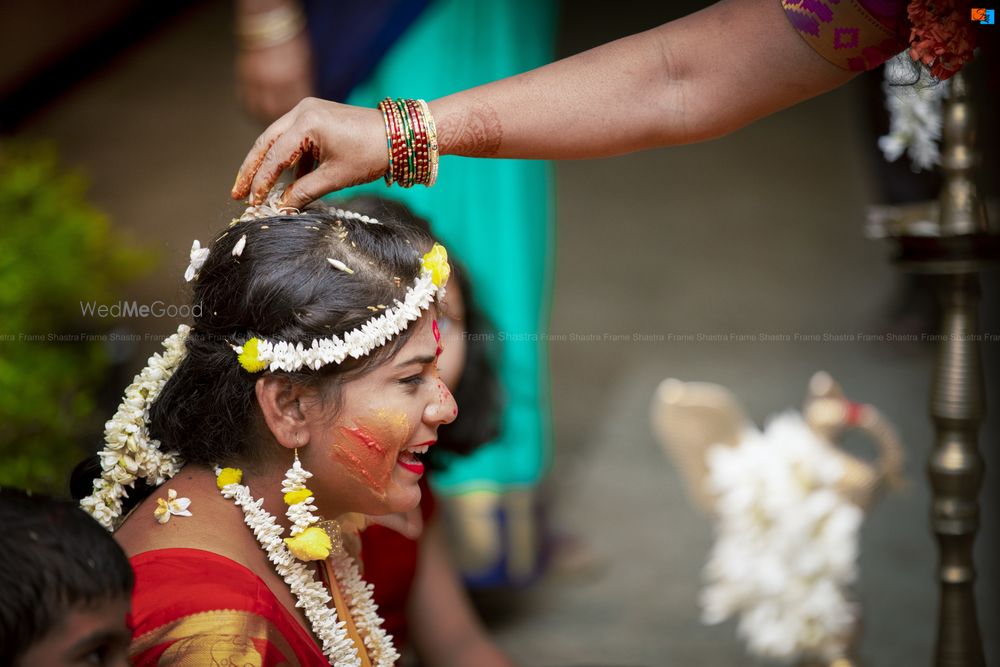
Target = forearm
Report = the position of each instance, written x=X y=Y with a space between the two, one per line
x=445 y=629
x=692 y=79
x=597 y=103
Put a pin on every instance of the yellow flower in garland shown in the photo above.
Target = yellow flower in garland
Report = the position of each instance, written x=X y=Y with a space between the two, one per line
x=228 y=476
x=436 y=261
x=293 y=497
x=311 y=544
x=248 y=357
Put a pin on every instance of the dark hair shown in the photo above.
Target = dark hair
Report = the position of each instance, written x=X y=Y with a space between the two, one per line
x=55 y=558
x=280 y=287
x=478 y=394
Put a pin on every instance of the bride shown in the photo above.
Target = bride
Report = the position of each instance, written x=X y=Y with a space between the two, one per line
x=302 y=397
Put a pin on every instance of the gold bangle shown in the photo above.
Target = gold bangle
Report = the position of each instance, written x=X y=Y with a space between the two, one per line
x=383 y=106
x=433 y=150
x=270 y=28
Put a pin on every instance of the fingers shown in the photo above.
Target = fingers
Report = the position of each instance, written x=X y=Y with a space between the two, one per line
x=306 y=164
x=283 y=153
x=259 y=150
x=328 y=177
x=310 y=187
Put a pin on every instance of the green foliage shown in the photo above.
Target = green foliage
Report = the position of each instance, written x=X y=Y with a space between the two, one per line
x=56 y=250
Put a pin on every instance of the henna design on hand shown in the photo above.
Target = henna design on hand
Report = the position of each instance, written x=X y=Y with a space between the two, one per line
x=476 y=132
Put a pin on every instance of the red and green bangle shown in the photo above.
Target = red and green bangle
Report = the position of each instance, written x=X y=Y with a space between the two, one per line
x=411 y=142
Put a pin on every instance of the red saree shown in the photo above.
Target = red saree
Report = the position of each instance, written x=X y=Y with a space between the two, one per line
x=194 y=607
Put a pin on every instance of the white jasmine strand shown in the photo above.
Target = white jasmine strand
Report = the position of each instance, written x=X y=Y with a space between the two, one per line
x=129 y=452
x=286 y=356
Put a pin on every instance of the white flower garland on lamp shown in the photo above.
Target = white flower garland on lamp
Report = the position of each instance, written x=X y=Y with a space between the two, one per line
x=914 y=113
x=786 y=546
x=312 y=596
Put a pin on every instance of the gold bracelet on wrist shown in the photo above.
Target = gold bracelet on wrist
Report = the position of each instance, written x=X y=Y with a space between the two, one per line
x=270 y=28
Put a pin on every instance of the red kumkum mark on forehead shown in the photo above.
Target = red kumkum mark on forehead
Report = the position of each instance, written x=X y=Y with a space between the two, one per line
x=437 y=337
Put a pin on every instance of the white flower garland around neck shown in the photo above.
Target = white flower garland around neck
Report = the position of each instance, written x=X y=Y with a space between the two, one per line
x=312 y=596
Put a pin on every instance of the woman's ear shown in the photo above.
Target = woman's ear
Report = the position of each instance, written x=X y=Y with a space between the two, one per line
x=281 y=403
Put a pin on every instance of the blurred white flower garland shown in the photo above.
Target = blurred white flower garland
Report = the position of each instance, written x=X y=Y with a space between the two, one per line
x=786 y=544
x=913 y=97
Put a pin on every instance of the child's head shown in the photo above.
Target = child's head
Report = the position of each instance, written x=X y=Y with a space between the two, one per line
x=65 y=586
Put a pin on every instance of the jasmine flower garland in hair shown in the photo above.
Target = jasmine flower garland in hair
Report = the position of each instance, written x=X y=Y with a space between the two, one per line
x=129 y=452
x=259 y=353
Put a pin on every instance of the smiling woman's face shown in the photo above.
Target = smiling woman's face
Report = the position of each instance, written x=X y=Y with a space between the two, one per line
x=367 y=459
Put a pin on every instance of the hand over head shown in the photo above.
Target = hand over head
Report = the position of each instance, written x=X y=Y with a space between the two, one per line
x=331 y=146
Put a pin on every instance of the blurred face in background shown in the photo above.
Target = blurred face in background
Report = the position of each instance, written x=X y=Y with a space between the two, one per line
x=451 y=324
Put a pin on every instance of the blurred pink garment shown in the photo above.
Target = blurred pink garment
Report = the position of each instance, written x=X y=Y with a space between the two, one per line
x=855 y=35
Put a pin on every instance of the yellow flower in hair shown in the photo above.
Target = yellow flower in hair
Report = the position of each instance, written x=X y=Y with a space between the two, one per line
x=228 y=476
x=311 y=544
x=436 y=261
x=248 y=357
x=293 y=497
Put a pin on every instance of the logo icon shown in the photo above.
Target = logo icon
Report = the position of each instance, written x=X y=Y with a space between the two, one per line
x=983 y=16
